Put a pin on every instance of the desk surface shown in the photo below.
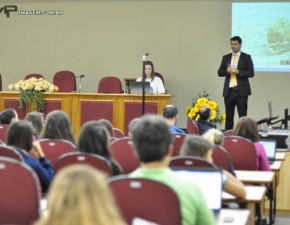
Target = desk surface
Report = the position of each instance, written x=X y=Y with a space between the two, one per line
x=280 y=156
x=255 y=194
x=240 y=216
x=276 y=166
x=255 y=177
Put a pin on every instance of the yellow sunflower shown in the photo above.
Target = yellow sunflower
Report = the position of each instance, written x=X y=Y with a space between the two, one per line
x=213 y=114
x=212 y=104
x=187 y=110
x=223 y=118
x=202 y=101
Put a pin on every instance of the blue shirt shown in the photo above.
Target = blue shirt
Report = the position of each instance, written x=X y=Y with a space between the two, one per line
x=174 y=129
x=42 y=168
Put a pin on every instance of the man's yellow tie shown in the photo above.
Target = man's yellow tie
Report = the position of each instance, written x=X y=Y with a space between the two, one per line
x=233 y=75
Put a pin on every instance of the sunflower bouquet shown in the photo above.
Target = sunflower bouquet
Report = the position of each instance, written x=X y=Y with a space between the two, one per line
x=32 y=88
x=204 y=100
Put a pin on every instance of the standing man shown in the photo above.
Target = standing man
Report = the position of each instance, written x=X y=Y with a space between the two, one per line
x=236 y=67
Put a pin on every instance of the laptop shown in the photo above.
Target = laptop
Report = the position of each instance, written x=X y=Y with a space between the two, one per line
x=209 y=181
x=270 y=149
x=136 y=87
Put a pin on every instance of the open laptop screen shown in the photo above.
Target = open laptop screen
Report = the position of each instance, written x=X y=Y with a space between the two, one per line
x=208 y=180
x=136 y=87
x=270 y=147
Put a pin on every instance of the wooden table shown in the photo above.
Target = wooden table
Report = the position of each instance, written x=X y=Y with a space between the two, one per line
x=280 y=156
x=240 y=216
x=260 y=177
x=254 y=195
x=119 y=109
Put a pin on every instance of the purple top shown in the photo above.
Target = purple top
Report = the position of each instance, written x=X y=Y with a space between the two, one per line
x=261 y=160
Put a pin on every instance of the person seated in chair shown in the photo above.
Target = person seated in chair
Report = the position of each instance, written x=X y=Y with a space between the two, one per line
x=170 y=113
x=156 y=84
x=8 y=116
x=204 y=123
x=152 y=141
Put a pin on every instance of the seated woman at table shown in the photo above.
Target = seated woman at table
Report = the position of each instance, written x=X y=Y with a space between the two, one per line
x=58 y=126
x=246 y=127
x=216 y=137
x=94 y=138
x=156 y=84
x=194 y=145
x=20 y=136
x=79 y=195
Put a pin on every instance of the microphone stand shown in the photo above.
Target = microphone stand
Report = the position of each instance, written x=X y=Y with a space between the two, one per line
x=143 y=84
x=80 y=83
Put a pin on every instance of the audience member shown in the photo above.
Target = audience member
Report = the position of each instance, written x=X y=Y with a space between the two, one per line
x=194 y=145
x=36 y=118
x=203 y=122
x=248 y=128
x=94 y=138
x=109 y=126
x=156 y=84
x=152 y=141
x=170 y=113
x=20 y=137
x=78 y=195
x=132 y=124
x=216 y=137
x=58 y=126
x=8 y=116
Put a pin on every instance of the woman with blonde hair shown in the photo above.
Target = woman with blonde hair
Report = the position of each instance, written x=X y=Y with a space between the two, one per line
x=79 y=195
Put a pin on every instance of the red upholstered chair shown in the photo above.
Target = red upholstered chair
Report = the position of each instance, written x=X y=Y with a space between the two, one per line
x=221 y=158
x=7 y=151
x=65 y=81
x=178 y=141
x=125 y=155
x=228 y=133
x=190 y=161
x=110 y=85
x=20 y=193
x=160 y=76
x=36 y=75
x=161 y=206
x=53 y=149
x=242 y=152
x=3 y=130
x=96 y=161
x=118 y=133
x=192 y=127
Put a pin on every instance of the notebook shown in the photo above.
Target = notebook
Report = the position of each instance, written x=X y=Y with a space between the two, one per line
x=270 y=149
x=209 y=180
x=136 y=87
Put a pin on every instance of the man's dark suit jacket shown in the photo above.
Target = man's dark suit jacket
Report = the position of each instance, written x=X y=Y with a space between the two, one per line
x=246 y=70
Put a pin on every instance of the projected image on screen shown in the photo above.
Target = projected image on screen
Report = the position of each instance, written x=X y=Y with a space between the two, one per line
x=265 y=31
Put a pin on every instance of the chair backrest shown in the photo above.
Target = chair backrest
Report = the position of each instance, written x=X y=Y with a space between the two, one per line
x=53 y=149
x=65 y=81
x=96 y=161
x=242 y=152
x=118 y=133
x=110 y=85
x=190 y=161
x=7 y=151
x=192 y=127
x=178 y=141
x=160 y=76
x=36 y=75
x=3 y=130
x=161 y=206
x=125 y=155
x=228 y=133
x=20 y=193
x=221 y=158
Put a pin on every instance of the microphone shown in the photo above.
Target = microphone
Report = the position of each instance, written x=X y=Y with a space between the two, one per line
x=144 y=56
x=81 y=76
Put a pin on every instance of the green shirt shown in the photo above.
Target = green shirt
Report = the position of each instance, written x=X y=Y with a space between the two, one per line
x=194 y=210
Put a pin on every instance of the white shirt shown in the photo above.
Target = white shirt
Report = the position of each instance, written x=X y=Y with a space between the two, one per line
x=235 y=65
x=156 y=85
